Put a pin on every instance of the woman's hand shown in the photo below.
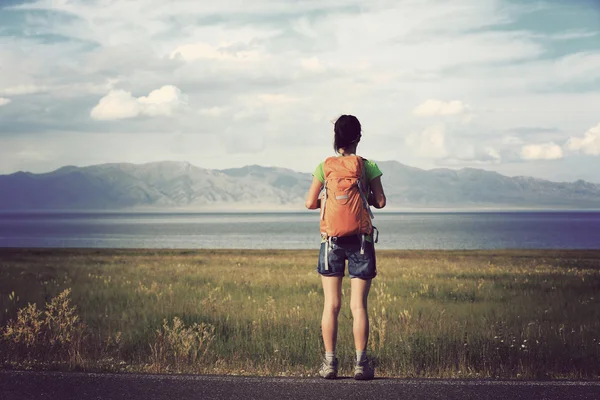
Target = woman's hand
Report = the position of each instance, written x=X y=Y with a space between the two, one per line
x=377 y=197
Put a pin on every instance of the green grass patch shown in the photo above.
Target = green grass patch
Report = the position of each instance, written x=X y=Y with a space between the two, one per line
x=493 y=314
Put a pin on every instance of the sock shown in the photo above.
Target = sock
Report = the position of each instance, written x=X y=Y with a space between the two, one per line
x=361 y=356
x=330 y=356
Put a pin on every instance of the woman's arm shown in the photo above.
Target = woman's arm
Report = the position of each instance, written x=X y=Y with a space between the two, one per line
x=312 y=197
x=377 y=199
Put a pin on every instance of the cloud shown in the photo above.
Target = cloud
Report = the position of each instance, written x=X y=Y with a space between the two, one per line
x=511 y=140
x=575 y=34
x=276 y=98
x=490 y=155
x=431 y=143
x=261 y=107
x=468 y=154
x=588 y=144
x=432 y=108
x=66 y=90
x=312 y=64
x=226 y=51
x=4 y=101
x=280 y=71
x=546 y=151
x=19 y=90
x=119 y=104
x=574 y=72
x=213 y=111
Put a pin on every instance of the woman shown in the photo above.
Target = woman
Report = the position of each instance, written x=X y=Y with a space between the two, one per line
x=360 y=256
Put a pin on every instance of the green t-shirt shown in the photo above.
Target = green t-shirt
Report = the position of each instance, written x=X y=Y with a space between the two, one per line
x=371 y=169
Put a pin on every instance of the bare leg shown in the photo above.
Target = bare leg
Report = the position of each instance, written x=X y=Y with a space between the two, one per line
x=332 y=291
x=358 y=305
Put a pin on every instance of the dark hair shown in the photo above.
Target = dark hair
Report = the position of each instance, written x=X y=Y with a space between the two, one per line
x=346 y=132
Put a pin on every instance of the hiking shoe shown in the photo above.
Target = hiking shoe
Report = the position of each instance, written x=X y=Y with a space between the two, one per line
x=328 y=369
x=364 y=371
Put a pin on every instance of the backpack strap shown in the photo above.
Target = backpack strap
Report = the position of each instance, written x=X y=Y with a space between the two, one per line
x=363 y=186
x=324 y=200
x=364 y=174
x=327 y=248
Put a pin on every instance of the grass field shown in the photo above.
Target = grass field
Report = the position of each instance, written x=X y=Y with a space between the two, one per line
x=505 y=314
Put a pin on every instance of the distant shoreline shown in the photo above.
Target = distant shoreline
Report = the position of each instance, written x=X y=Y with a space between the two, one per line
x=294 y=211
x=408 y=253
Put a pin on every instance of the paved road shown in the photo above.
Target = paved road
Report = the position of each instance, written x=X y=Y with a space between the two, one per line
x=17 y=385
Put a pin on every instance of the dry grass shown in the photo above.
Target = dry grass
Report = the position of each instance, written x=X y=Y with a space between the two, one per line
x=505 y=314
x=55 y=334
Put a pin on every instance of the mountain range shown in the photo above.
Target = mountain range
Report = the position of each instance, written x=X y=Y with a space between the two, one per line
x=169 y=186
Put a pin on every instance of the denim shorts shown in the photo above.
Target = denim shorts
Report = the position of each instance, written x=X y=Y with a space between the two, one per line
x=361 y=266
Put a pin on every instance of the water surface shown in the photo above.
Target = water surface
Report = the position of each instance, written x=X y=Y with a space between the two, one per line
x=459 y=230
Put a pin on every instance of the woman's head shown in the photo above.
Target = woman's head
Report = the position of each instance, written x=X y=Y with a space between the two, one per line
x=346 y=133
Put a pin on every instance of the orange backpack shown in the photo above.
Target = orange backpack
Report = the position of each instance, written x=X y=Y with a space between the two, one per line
x=344 y=207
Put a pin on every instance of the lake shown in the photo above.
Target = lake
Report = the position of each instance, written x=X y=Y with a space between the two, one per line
x=410 y=230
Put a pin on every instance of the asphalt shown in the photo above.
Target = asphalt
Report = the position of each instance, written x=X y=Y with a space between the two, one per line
x=29 y=385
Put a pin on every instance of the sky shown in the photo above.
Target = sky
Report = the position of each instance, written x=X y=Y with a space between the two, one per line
x=506 y=86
